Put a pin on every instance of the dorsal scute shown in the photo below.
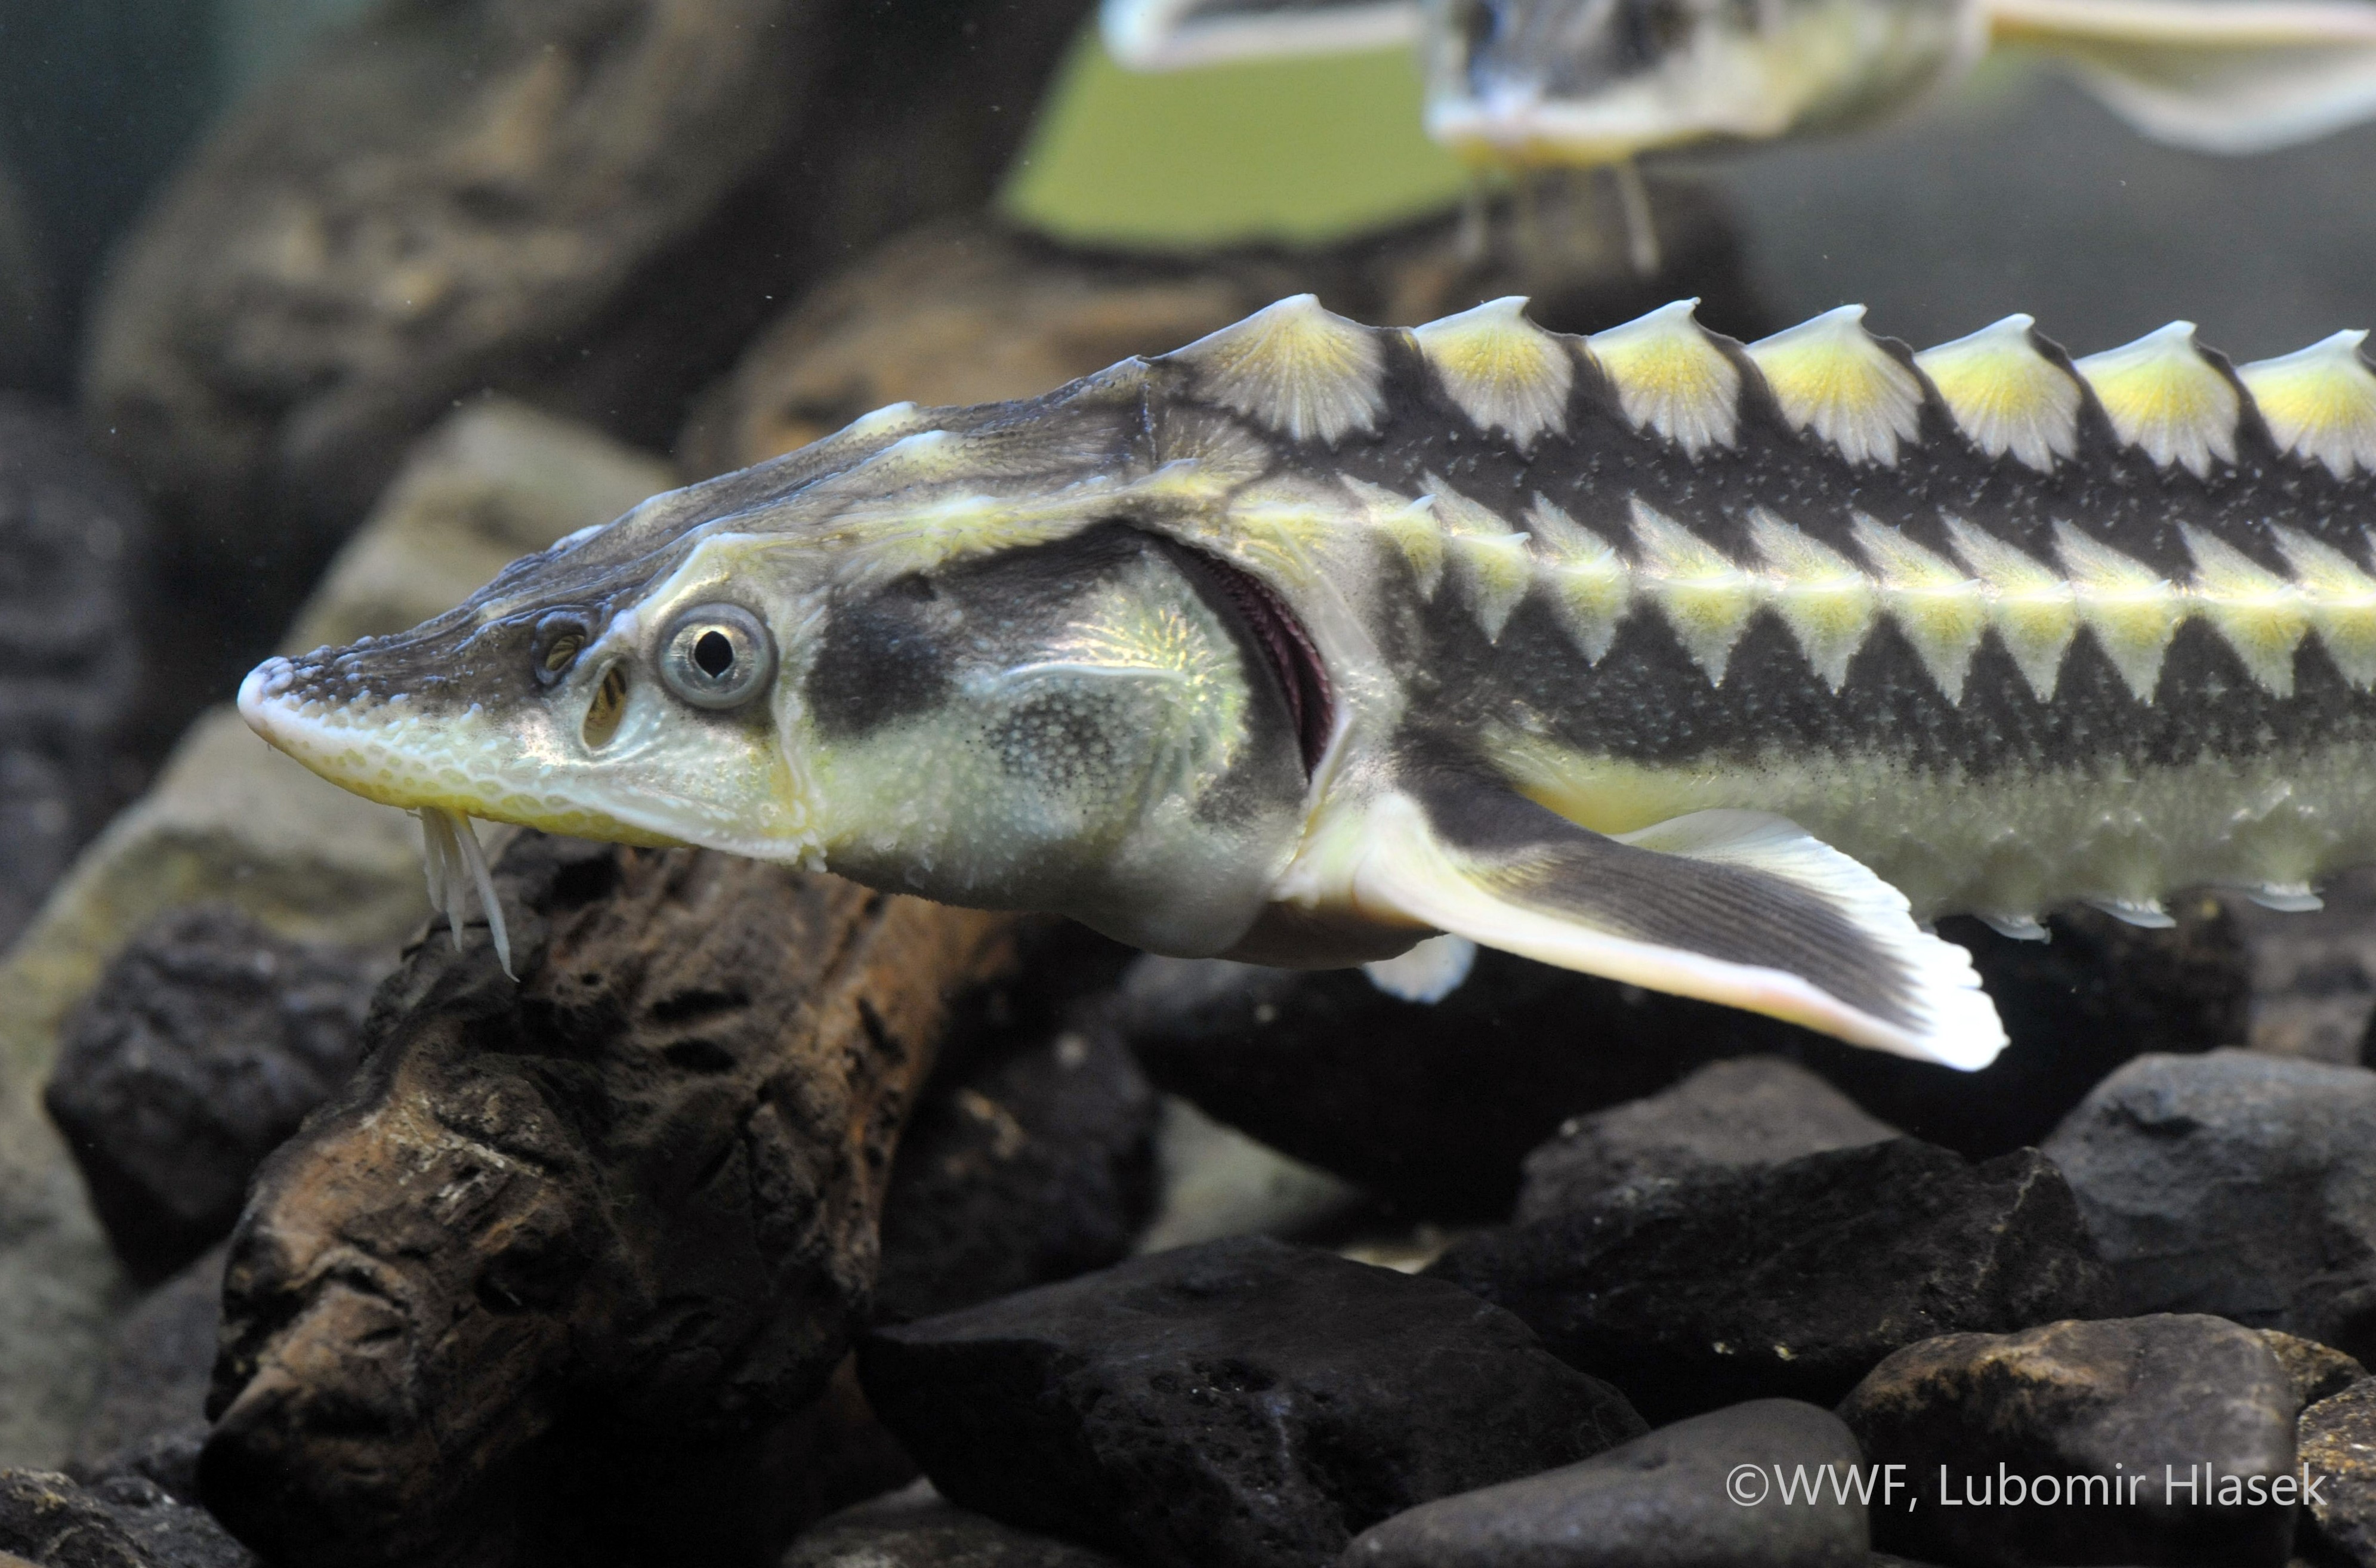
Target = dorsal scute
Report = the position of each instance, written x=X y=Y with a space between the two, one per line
x=2006 y=395
x=1671 y=377
x=2165 y=398
x=1502 y=371
x=1294 y=368
x=1834 y=378
x=2320 y=403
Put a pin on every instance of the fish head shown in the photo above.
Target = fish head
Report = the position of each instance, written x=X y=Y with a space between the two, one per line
x=947 y=663
x=1548 y=82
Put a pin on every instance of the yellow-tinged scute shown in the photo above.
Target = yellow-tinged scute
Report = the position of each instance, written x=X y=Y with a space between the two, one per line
x=2166 y=399
x=2340 y=599
x=1493 y=564
x=1500 y=370
x=1671 y=377
x=1940 y=610
x=2134 y=611
x=2034 y=610
x=2006 y=397
x=1590 y=584
x=1832 y=376
x=2320 y=403
x=1826 y=602
x=2263 y=616
x=1705 y=598
x=1296 y=369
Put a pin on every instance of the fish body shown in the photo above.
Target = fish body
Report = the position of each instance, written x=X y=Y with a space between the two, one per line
x=1586 y=82
x=1714 y=667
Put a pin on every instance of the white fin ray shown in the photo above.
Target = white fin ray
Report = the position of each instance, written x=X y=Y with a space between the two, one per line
x=2134 y=611
x=1297 y=369
x=1705 y=598
x=2230 y=77
x=1493 y=566
x=1670 y=378
x=2033 y=609
x=1832 y=376
x=2320 y=402
x=1411 y=523
x=2262 y=616
x=1429 y=972
x=1826 y=602
x=1590 y=584
x=2341 y=599
x=1936 y=604
x=1500 y=369
x=1175 y=35
x=2007 y=396
x=2166 y=399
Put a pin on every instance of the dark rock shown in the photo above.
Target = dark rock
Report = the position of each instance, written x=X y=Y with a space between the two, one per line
x=2317 y=1372
x=593 y=215
x=1702 y=1493
x=54 y=1522
x=2140 y=1404
x=1240 y=1403
x=2337 y=1443
x=1749 y=1111
x=564 y=1267
x=919 y=1528
x=150 y=1417
x=203 y=1045
x=75 y=546
x=1433 y=1106
x=1032 y=1164
x=1437 y=1106
x=2234 y=1183
x=1787 y=1281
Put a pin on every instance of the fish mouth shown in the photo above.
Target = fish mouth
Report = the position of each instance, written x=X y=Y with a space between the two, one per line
x=399 y=753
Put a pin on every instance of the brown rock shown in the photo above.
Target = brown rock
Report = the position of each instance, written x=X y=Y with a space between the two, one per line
x=563 y=1265
x=968 y=313
x=2318 y=1372
x=588 y=203
x=2337 y=1441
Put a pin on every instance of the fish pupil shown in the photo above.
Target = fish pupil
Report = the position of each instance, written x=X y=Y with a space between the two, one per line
x=714 y=652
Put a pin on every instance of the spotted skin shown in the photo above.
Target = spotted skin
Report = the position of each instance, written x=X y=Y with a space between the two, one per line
x=1709 y=666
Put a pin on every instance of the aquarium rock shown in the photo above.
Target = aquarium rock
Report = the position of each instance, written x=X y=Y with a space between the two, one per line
x=1788 y=1280
x=2236 y=1183
x=594 y=216
x=2336 y=1443
x=52 y=1521
x=2139 y=1399
x=2317 y=1372
x=1658 y=1501
x=1747 y=1110
x=150 y=1417
x=565 y=1259
x=917 y=1528
x=205 y=1043
x=1034 y=1164
x=229 y=819
x=1237 y=1404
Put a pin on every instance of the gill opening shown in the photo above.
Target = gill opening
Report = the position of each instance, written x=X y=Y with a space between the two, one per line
x=609 y=706
x=1288 y=652
x=456 y=869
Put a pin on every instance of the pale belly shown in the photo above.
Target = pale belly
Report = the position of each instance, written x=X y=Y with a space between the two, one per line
x=2012 y=844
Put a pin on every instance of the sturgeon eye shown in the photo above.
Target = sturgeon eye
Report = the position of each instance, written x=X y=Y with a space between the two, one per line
x=716 y=656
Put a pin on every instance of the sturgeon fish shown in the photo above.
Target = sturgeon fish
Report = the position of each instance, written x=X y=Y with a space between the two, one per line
x=1598 y=81
x=1717 y=668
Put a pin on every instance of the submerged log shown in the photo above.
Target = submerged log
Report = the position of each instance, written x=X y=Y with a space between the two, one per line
x=562 y=1273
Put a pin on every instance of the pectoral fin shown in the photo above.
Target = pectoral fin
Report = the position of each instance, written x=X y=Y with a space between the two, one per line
x=1170 y=35
x=1732 y=907
x=2218 y=76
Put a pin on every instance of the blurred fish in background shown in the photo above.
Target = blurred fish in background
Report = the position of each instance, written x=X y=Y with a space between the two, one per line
x=1531 y=84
